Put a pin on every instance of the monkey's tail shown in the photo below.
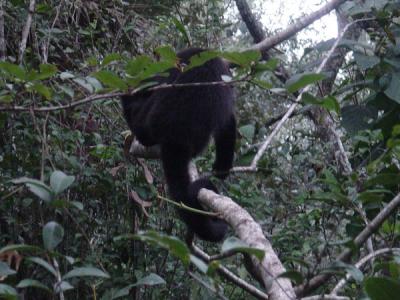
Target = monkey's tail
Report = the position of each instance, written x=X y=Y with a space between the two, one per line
x=181 y=189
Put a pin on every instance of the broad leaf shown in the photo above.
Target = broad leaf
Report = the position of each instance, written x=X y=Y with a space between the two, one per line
x=150 y=280
x=7 y=292
x=59 y=181
x=299 y=81
x=29 y=283
x=236 y=245
x=5 y=270
x=379 y=288
x=53 y=234
x=111 y=79
x=41 y=262
x=86 y=272
x=37 y=187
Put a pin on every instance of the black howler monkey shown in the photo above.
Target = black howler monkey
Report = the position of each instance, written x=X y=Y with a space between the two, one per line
x=182 y=120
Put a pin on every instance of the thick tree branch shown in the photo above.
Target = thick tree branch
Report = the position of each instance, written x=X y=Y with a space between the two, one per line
x=251 y=233
x=248 y=231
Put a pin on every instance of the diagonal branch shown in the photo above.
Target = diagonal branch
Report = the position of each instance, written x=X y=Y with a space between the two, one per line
x=292 y=29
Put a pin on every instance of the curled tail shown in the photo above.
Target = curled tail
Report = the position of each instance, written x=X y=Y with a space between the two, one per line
x=181 y=189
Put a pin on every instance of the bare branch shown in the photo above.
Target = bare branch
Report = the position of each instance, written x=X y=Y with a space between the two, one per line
x=251 y=233
x=230 y=276
x=25 y=31
x=359 y=264
x=301 y=23
x=289 y=112
x=92 y=98
x=248 y=231
x=361 y=238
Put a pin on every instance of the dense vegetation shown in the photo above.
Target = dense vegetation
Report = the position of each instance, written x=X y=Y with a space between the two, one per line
x=81 y=218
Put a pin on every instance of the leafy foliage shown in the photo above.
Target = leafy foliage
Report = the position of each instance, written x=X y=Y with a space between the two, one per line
x=66 y=187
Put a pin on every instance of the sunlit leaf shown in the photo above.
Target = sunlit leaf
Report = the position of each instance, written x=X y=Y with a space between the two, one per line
x=299 y=81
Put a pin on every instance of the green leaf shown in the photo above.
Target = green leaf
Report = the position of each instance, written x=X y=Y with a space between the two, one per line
x=384 y=179
x=59 y=181
x=111 y=79
x=47 y=71
x=269 y=65
x=201 y=58
x=150 y=280
x=13 y=70
x=379 y=288
x=357 y=117
x=236 y=245
x=137 y=65
x=85 y=272
x=352 y=270
x=111 y=58
x=53 y=234
x=78 y=205
x=83 y=83
x=262 y=84
x=201 y=265
x=5 y=270
x=243 y=59
x=181 y=29
x=166 y=53
x=66 y=75
x=172 y=244
x=62 y=287
x=295 y=276
x=41 y=262
x=42 y=90
x=298 y=81
x=37 y=187
x=7 y=292
x=28 y=283
x=19 y=247
x=365 y=61
x=247 y=131
x=393 y=91
x=329 y=102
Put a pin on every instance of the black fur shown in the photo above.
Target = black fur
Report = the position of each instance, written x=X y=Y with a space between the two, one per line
x=181 y=121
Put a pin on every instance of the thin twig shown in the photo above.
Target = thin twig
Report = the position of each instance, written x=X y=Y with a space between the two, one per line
x=289 y=112
x=360 y=239
x=359 y=264
x=230 y=276
x=92 y=98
